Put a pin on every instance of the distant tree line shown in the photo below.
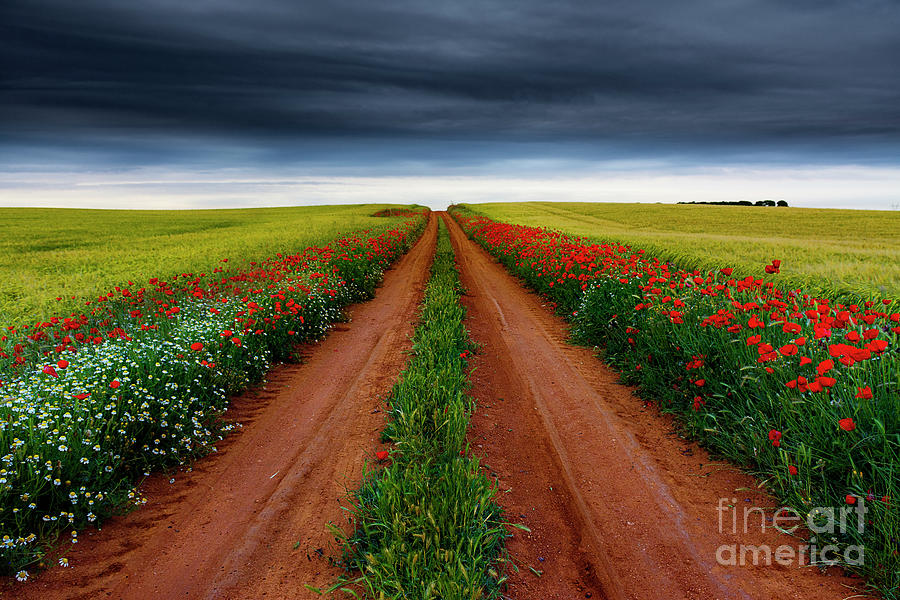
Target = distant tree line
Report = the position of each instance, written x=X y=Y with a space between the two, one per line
x=744 y=203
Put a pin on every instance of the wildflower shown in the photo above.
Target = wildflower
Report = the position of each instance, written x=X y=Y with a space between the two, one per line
x=114 y=384
x=792 y=470
x=789 y=350
x=864 y=393
x=64 y=562
x=824 y=367
x=775 y=437
x=847 y=424
x=22 y=576
x=382 y=455
x=196 y=346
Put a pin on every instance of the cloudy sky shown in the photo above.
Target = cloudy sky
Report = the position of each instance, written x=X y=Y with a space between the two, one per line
x=226 y=102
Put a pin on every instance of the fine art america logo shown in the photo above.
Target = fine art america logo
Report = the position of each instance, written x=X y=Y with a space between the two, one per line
x=824 y=523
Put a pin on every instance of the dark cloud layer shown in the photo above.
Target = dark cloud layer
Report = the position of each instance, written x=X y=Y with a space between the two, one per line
x=275 y=72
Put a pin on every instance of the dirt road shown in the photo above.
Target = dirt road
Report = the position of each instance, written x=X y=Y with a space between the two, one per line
x=228 y=528
x=619 y=506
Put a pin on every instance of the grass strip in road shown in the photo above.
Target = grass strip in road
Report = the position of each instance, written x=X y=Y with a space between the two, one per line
x=426 y=526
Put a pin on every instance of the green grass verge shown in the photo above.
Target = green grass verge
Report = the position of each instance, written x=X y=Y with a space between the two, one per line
x=825 y=251
x=47 y=253
x=426 y=526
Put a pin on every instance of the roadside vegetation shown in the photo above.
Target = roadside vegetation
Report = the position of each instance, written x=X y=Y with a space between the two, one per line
x=426 y=526
x=827 y=252
x=91 y=402
x=77 y=255
x=800 y=389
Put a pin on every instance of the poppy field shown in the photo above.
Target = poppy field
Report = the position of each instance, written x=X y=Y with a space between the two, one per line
x=829 y=252
x=800 y=388
x=139 y=379
x=71 y=256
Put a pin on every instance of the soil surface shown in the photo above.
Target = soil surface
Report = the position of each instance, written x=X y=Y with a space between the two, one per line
x=619 y=506
x=250 y=520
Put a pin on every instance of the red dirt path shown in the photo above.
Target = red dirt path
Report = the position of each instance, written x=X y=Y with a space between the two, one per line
x=227 y=529
x=619 y=506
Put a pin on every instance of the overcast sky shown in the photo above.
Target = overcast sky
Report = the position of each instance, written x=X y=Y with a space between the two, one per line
x=131 y=95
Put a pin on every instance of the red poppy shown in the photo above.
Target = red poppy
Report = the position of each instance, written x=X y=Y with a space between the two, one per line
x=791 y=328
x=792 y=470
x=62 y=364
x=50 y=371
x=847 y=424
x=826 y=382
x=382 y=454
x=864 y=393
x=788 y=350
x=877 y=346
x=850 y=499
x=196 y=346
x=775 y=437
x=114 y=384
x=824 y=367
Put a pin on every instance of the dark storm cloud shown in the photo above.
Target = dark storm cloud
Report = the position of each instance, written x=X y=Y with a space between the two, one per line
x=639 y=72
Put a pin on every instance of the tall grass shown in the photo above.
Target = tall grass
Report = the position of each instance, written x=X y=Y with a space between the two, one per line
x=426 y=526
x=47 y=253
x=831 y=252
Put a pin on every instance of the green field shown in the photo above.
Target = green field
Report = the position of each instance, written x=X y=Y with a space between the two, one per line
x=831 y=251
x=47 y=253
